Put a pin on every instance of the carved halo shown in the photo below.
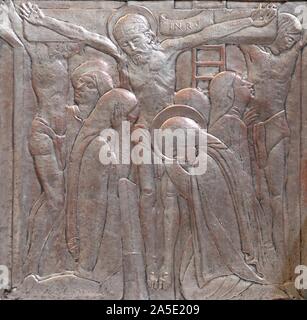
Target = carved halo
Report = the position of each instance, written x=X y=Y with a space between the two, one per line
x=178 y=110
x=126 y=9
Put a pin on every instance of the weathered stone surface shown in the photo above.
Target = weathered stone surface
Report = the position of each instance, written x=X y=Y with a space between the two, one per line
x=77 y=74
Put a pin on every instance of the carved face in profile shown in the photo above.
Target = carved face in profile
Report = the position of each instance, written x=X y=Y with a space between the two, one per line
x=134 y=36
x=90 y=81
x=286 y=41
x=243 y=90
x=288 y=33
x=86 y=90
x=228 y=90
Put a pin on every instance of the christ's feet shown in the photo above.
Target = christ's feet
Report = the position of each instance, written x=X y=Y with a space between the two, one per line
x=165 y=278
x=152 y=280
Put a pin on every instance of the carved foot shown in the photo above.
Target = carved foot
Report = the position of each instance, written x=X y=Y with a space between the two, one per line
x=152 y=280
x=165 y=278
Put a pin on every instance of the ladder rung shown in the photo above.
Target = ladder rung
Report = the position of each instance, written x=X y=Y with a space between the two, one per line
x=209 y=63
x=204 y=77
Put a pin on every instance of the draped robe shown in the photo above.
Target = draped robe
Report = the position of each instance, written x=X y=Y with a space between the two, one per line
x=222 y=209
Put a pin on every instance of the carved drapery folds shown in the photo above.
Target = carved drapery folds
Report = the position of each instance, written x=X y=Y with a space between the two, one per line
x=98 y=75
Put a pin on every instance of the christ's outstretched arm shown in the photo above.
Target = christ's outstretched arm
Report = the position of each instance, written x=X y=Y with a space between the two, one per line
x=258 y=18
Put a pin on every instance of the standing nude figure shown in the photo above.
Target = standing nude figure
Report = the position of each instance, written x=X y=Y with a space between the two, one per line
x=271 y=69
x=50 y=81
x=149 y=65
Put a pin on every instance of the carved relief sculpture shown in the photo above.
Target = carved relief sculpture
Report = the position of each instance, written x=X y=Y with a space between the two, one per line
x=99 y=207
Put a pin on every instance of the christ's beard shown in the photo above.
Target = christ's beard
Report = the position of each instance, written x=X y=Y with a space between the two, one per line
x=141 y=57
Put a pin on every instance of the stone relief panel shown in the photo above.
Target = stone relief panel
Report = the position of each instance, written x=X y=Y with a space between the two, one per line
x=94 y=207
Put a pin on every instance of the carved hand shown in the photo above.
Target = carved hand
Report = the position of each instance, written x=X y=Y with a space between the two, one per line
x=6 y=30
x=31 y=13
x=263 y=16
x=250 y=117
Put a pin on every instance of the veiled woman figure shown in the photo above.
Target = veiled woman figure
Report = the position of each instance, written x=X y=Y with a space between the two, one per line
x=92 y=185
x=229 y=115
x=221 y=204
x=230 y=118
